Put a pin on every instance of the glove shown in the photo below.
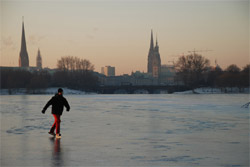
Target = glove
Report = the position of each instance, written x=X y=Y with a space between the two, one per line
x=43 y=111
x=67 y=109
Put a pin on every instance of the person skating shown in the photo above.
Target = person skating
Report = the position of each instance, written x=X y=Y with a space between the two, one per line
x=58 y=102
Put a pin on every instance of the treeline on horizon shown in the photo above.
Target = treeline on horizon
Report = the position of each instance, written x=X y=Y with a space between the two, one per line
x=195 y=71
x=72 y=72
x=76 y=73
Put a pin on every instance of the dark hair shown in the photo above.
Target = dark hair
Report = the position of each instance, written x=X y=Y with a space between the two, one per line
x=60 y=90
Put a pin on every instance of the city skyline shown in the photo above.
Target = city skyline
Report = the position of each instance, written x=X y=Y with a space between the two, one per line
x=117 y=33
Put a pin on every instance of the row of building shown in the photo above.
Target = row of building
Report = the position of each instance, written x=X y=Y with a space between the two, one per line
x=166 y=77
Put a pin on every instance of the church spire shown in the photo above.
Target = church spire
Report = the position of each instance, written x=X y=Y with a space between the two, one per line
x=23 y=57
x=156 y=45
x=39 y=59
x=151 y=41
x=156 y=41
x=23 y=43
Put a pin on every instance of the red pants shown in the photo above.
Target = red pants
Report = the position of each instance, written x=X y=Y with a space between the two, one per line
x=56 y=124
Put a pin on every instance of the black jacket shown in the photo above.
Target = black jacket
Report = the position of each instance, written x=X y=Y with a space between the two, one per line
x=57 y=102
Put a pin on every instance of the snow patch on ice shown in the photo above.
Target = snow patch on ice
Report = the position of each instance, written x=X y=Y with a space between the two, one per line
x=65 y=91
x=208 y=90
x=52 y=90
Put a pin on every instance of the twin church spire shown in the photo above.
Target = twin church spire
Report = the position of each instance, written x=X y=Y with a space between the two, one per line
x=154 y=59
x=152 y=42
x=23 y=56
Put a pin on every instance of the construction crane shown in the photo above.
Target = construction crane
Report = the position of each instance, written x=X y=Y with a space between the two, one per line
x=194 y=51
x=174 y=56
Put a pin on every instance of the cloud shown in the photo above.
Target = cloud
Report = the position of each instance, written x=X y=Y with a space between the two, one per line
x=34 y=39
x=93 y=33
x=7 y=42
x=89 y=36
x=95 y=29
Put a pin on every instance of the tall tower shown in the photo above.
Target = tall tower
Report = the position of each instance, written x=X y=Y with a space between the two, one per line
x=151 y=54
x=23 y=56
x=154 y=59
x=156 y=62
x=38 y=59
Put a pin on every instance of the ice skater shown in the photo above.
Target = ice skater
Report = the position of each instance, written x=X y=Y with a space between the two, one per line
x=57 y=102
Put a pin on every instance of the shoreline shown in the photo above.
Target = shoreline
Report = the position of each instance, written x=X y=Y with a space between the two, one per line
x=67 y=91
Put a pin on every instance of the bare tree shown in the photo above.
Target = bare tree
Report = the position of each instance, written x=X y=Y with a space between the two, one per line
x=246 y=69
x=75 y=73
x=70 y=63
x=190 y=69
x=233 y=68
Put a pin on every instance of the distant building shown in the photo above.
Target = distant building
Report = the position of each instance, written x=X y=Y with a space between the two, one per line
x=108 y=71
x=217 y=67
x=167 y=76
x=30 y=69
x=23 y=56
x=135 y=79
x=139 y=78
x=39 y=60
x=154 y=59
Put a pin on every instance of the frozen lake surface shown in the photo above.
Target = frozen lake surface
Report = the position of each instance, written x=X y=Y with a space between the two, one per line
x=127 y=130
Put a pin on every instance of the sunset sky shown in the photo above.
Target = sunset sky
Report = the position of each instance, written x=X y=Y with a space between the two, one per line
x=117 y=32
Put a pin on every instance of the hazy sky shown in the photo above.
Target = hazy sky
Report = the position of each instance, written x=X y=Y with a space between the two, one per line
x=117 y=32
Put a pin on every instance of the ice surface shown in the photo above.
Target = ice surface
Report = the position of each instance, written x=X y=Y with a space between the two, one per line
x=127 y=130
